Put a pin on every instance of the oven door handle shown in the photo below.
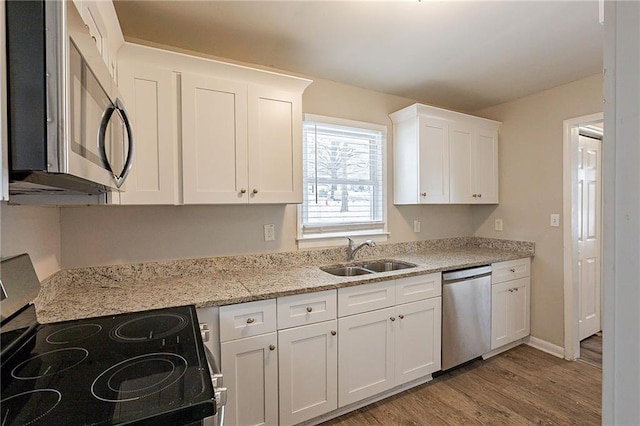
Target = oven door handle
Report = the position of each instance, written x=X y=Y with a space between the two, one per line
x=216 y=379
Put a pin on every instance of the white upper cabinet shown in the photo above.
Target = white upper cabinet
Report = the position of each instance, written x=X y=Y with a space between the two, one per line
x=208 y=132
x=214 y=140
x=444 y=157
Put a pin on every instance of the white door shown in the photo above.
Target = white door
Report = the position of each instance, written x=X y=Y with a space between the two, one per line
x=518 y=309
x=250 y=368
x=214 y=141
x=308 y=371
x=589 y=259
x=366 y=356
x=417 y=339
x=461 y=151
x=275 y=146
x=485 y=167
x=434 y=160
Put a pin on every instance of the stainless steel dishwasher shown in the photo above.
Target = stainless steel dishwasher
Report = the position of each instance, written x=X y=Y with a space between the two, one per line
x=466 y=315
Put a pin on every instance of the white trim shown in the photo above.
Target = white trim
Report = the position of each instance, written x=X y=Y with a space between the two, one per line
x=336 y=240
x=345 y=122
x=544 y=346
x=569 y=232
x=504 y=348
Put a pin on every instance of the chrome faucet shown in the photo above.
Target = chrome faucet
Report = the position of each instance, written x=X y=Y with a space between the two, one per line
x=352 y=249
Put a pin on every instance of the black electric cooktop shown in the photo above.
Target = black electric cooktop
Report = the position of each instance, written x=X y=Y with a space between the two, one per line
x=138 y=368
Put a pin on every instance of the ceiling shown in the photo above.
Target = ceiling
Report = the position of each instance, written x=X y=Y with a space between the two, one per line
x=464 y=55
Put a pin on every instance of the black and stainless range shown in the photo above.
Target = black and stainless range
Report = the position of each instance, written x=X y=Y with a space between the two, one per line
x=137 y=368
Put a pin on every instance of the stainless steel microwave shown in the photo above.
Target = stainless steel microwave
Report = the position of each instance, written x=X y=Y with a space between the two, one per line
x=68 y=131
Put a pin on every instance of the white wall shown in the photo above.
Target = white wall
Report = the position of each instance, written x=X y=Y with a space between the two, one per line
x=530 y=160
x=117 y=234
x=33 y=230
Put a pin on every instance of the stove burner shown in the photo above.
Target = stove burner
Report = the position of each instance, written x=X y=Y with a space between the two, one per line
x=49 y=363
x=73 y=334
x=139 y=377
x=150 y=327
x=29 y=407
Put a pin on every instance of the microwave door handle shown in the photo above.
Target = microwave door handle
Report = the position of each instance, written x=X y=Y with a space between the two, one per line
x=129 y=161
x=102 y=131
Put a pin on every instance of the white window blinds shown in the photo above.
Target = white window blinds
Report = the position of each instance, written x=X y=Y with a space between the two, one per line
x=343 y=170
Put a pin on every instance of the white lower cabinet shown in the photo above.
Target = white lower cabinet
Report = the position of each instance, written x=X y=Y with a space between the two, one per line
x=510 y=302
x=250 y=368
x=366 y=357
x=308 y=371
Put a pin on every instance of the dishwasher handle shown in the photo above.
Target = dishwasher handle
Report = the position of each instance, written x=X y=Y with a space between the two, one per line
x=466 y=274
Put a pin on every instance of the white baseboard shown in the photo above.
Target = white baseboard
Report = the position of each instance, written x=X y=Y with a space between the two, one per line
x=545 y=346
x=503 y=349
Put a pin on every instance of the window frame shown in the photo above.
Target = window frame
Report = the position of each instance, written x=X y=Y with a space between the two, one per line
x=336 y=234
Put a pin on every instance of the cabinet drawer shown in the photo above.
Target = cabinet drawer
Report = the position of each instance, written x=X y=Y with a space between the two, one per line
x=510 y=270
x=247 y=319
x=309 y=308
x=418 y=288
x=363 y=298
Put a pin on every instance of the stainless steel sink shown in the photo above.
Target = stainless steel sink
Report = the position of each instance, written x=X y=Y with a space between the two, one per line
x=368 y=268
x=347 y=271
x=387 y=266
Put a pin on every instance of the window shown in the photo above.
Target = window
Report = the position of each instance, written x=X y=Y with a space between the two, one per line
x=344 y=182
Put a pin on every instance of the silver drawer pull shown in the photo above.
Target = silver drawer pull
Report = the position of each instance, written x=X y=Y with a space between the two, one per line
x=309 y=309
x=512 y=270
x=401 y=316
x=250 y=320
x=272 y=347
x=243 y=191
x=392 y=318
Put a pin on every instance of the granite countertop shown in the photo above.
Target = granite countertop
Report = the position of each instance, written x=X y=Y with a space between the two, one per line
x=90 y=292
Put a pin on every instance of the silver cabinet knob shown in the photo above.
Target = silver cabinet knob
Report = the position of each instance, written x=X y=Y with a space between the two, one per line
x=250 y=320
x=401 y=316
x=512 y=270
x=309 y=309
x=255 y=191
x=392 y=318
x=479 y=195
x=475 y=195
x=272 y=347
x=424 y=194
x=333 y=332
x=243 y=191
x=515 y=289
x=510 y=290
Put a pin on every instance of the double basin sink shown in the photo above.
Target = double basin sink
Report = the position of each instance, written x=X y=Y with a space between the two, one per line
x=365 y=268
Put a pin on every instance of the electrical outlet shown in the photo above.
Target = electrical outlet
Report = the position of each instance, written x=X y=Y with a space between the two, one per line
x=270 y=232
x=416 y=226
x=555 y=220
x=499 y=224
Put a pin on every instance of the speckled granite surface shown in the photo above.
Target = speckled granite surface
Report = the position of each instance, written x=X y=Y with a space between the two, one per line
x=106 y=290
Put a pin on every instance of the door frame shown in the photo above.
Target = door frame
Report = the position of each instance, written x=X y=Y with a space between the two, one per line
x=569 y=231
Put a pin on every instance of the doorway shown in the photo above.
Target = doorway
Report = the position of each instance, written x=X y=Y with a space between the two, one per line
x=582 y=233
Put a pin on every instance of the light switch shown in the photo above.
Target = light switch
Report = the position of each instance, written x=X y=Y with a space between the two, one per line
x=555 y=220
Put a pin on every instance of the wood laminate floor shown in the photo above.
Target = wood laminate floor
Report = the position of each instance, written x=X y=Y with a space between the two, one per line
x=591 y=350
x=522 y=386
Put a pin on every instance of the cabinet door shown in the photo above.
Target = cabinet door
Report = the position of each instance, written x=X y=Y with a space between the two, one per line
x=519 y=309
x=485 y=167
x=152 y=105
x=250 y=368
x=417 y=339
x=433 y=161
x=510 y=311
x=214 y=141
x=366 y=359
x=275 y=146
x=461 y=151
x=308 y=371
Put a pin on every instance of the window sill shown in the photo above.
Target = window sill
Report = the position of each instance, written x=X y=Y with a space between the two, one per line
x=339 y=239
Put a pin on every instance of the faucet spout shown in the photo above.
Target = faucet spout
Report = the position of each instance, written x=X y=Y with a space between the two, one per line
x=352 y=249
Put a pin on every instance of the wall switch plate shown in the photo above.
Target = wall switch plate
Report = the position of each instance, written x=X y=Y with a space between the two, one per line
x=555 y=220
x=270 y=232
x=499 y=225
x=416 y=226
